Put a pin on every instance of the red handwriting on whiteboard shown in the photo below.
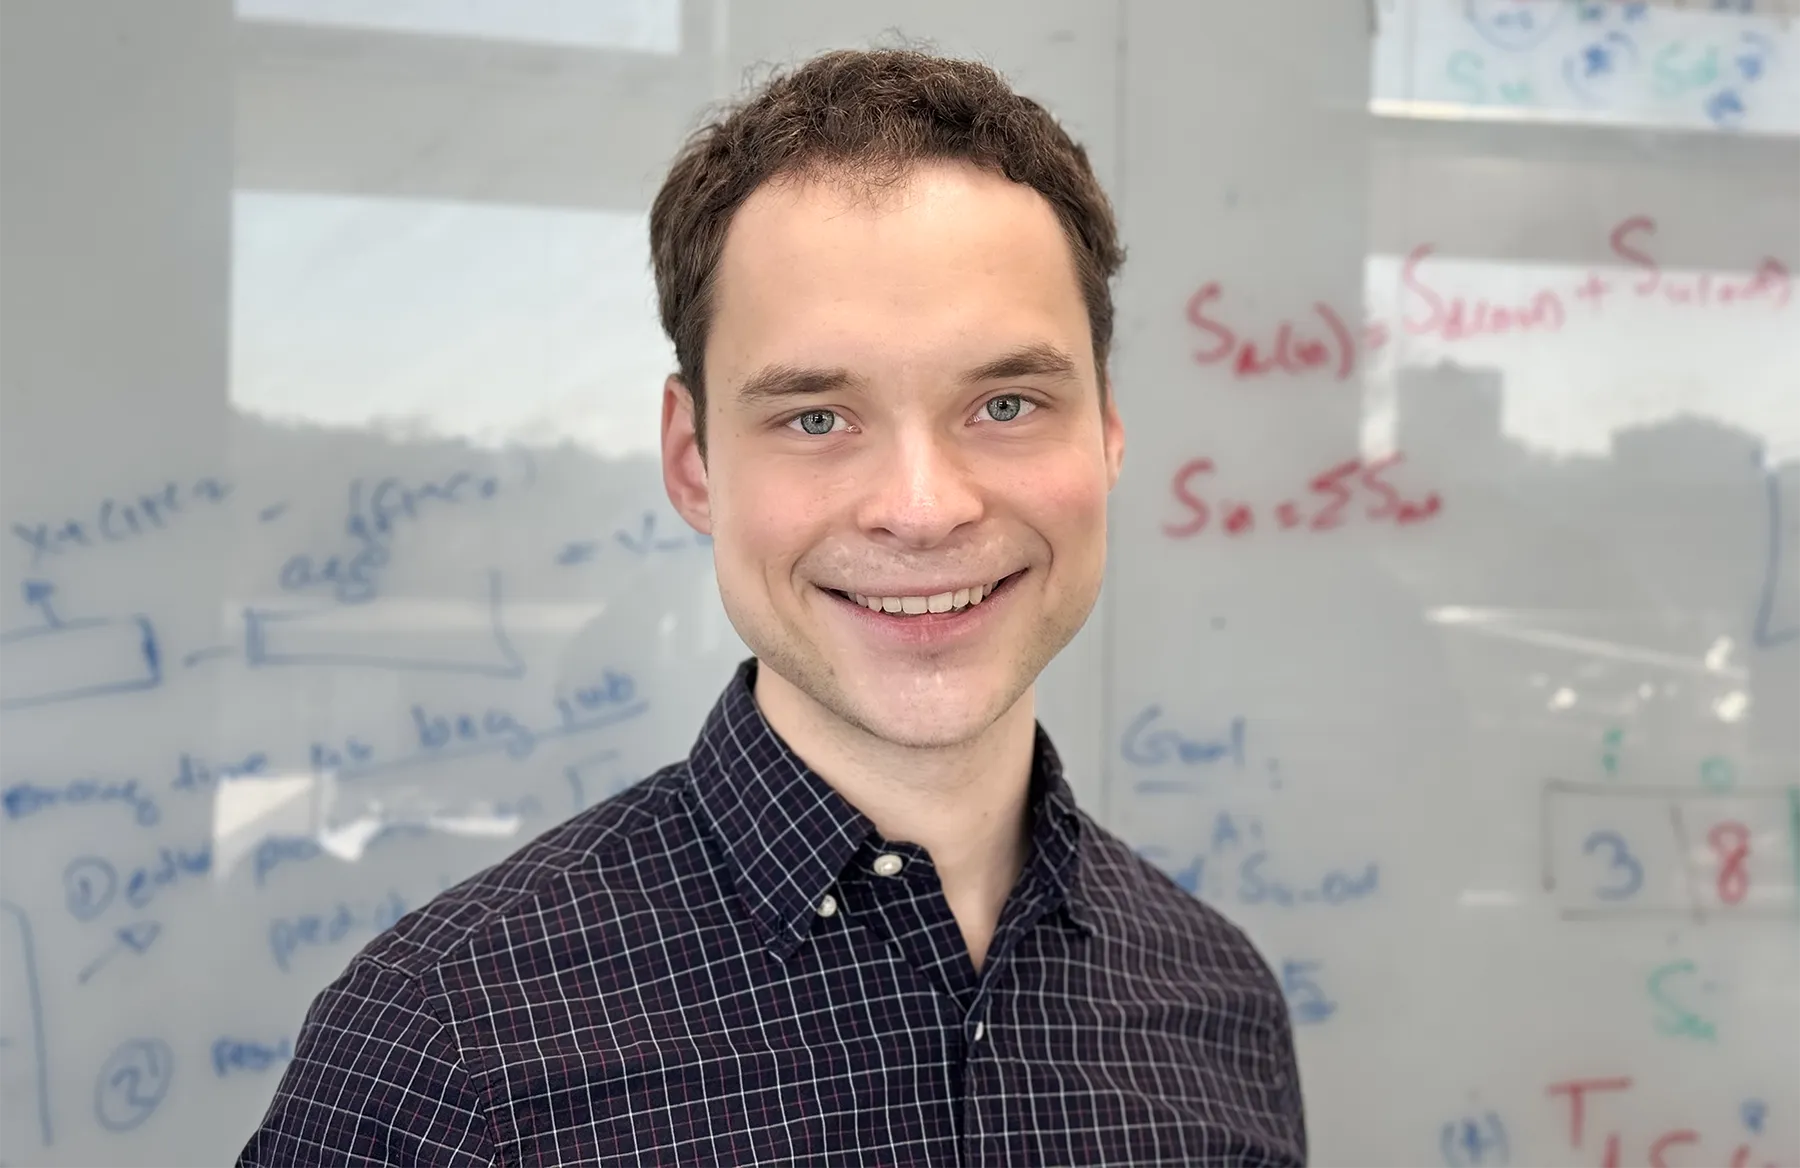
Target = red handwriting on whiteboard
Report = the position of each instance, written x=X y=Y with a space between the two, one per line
x=1770 y=281
x=1454 y=318
x=1322 y=339
x=1333 y=493
x=1671 y=1148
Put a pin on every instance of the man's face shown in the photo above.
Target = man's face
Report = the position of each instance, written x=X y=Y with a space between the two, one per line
x=902 y=413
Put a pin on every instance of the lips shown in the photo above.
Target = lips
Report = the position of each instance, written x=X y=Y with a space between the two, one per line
x=949 y=601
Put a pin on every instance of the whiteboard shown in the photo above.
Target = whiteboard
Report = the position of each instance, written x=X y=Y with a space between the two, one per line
x=1451 y=639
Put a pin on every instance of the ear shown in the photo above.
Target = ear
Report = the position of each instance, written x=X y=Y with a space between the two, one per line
x=684 y=470
x=1113 y=435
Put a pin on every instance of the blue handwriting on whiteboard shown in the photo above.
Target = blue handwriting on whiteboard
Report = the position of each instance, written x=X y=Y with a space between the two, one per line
x=24 y=799
x=193 y=773
x=1307 y=1003
x=113 y=521
x=92 y=884
x=491 y=726
x=25 y=951
x=1237 y=866
x=439 y=736
x=1630 y=873
x=372 y=516
x=1257 y=886
x=136 y=937
x=245 y=1054
x=1509 y=25
x=1474 y=1140
x=132 y=1083
x=642 y=543
x=1145 y=744
x=287 y=935
x=273 y=851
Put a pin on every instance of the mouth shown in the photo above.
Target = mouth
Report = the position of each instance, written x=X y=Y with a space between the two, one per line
x=939 y=604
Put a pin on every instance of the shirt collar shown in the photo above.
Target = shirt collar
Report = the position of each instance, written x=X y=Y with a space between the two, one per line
x=787 y=834
x=1056 y=834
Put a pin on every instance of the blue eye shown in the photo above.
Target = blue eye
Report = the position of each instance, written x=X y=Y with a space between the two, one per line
x=817 y=421
x=1007 y=407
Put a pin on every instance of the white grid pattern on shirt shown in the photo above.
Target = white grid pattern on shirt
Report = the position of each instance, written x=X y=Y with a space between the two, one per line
x=651 y=983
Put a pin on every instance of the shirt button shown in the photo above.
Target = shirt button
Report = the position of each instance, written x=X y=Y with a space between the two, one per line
x=828 y=906
x=888 y=864
x=980 y=1029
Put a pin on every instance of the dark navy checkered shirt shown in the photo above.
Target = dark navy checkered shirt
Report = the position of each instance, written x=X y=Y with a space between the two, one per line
x=726 y=965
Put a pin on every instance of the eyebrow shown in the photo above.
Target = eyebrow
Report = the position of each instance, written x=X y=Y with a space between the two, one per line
x=778 y=382
x=1035 y=360
x=775 y=382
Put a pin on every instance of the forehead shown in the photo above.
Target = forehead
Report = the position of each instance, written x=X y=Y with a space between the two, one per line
x=947 y=262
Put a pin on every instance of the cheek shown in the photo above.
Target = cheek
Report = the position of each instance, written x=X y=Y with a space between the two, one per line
x=1066 y=503
x=763 y=517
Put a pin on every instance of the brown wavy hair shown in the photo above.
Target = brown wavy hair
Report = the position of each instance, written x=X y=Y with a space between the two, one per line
x=864 y=119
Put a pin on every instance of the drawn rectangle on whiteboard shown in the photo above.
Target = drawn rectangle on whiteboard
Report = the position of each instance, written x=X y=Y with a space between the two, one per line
x=1624 y=851
x=386 y=634
x=78 y=659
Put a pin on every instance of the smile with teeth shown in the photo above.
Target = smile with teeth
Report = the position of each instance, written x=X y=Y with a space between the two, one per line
x=919 y=605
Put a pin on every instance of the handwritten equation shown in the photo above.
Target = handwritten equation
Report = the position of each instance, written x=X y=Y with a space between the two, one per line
x=1329 y=500
x=1336 y=342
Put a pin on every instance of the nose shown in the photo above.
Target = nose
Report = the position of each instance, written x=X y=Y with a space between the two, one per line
x=922 y=491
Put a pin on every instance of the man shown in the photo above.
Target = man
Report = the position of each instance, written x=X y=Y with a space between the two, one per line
x=863 y=922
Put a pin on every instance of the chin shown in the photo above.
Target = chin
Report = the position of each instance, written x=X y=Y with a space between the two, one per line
x=921 y=731
x=921 y=707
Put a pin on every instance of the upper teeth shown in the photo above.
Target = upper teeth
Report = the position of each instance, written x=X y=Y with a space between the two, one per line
x=914 y=605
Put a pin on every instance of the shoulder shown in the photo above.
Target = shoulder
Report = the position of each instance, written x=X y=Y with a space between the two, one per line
x=1136 y=905
x=371 y=1035
x=1183 y=957
x=395 y=1025
x=609 y=850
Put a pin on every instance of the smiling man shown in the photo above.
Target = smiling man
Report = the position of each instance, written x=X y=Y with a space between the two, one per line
x=864 y=921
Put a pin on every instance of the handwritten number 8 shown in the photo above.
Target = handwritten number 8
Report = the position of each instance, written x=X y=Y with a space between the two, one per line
x=1633 y=875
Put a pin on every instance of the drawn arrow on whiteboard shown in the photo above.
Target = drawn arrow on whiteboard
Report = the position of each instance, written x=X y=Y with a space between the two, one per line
x=136 y=937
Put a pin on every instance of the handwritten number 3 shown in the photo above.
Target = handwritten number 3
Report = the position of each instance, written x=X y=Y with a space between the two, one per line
x=1633 y=877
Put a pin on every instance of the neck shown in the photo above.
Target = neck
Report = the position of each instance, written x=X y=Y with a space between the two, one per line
x=966 y=804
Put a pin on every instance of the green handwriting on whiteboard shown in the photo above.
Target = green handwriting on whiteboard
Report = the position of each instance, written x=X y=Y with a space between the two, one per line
x=1468 y=72
x=1678 y=70
x=1675 y=1019
x=1613 y=739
